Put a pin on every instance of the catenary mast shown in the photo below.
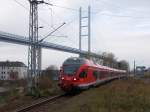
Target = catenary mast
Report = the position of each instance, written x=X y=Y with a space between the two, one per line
x=34 y=51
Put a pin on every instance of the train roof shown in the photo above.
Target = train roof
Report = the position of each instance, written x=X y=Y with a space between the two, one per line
x=75 y=60
x=80 y=61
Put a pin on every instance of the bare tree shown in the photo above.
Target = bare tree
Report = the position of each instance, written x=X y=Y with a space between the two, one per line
x=124 y=65
x=52 y=67
x=110 y=59
x=52 y=71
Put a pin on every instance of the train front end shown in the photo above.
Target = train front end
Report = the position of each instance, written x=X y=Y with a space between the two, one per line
x=68 y=79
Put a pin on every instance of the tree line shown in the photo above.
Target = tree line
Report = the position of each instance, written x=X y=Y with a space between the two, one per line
x=113 y=62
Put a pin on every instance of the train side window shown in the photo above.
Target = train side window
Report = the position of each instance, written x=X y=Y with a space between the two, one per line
x=99 y=74
x=83 y=74
x=95 y=74
x=102 y=74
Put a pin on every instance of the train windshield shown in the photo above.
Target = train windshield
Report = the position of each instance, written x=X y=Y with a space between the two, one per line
x=70 y=69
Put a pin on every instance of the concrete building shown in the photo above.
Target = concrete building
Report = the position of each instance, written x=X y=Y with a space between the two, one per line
x=12 y=70
x=140 y=70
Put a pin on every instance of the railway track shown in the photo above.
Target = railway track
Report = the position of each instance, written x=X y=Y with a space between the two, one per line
x=40 y=103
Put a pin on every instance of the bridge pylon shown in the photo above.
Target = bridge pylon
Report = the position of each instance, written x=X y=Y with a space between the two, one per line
x=85 y=28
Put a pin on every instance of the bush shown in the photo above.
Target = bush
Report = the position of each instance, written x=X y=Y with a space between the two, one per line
x=45 y=83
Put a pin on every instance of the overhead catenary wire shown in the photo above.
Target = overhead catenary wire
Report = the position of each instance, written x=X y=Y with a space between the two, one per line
x=67 y=23
x=58 y=17
x=51 y=17
x=67 y=8
x=122 y=16
x=52 y=21
x=50 y=9
x=45 y=22
x=116 y=5
x=98 y=12
x=28 y=10
x=21 y=4
x=116 y=15
x=52 y=32
x=101 y=13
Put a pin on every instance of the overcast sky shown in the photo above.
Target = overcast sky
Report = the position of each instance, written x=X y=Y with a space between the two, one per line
x=118 y=26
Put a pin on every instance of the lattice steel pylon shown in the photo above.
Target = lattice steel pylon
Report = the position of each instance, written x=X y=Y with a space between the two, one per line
x=87 y=25
x=34 y=51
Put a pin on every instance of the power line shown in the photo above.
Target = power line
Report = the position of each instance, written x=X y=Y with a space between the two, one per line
x=67 y=8
x=52 y=25
x=39 y=17
x=52 y=32
x=51 y=17
x=28 y=10
x=51 y=13
x=124 y=16
x=58 y=36
x=21 y=4
x=45 y=22
x=127 y=16
x=67 y=23
x=117 y=6
x=50 y=10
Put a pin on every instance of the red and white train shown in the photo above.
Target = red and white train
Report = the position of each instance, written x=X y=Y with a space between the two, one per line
x=81 y=73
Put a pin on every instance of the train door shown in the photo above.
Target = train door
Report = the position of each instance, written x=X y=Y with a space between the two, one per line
x=83 y=75
x=96 y=74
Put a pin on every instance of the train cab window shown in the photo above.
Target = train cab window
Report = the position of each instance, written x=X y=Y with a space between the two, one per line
x=83 y=74
x=70 y=69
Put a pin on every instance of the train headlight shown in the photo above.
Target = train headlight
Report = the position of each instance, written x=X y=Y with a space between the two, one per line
x=62 y=78
x=74 y=79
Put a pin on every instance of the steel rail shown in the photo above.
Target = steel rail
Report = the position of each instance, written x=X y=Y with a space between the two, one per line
x=39 y=103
